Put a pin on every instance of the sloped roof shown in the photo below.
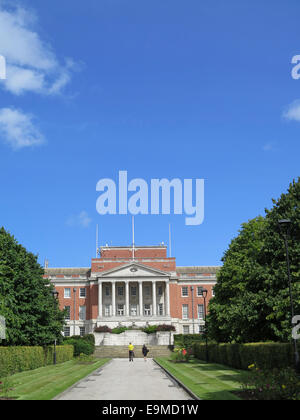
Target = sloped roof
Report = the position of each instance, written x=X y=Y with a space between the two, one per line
x=198 y=270
x=68 y=271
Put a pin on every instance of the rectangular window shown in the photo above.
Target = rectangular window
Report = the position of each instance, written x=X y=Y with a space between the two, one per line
x=185 y=311
x=202 y=329
x=120 y=310
x=184 y=291
x=107 y=291
x=147 y=291
x=133 y=291
x=147 y=309
x=82 y=331
x=133 y=310
x=199 y=291
x=67 y=293
x=186 y=329
x=67 y=316
x=67 y=331
x=160 y=309
x=120 y=291
x=82 y=293
x=82 y=313
x=107 y=310
x=200 y=311
x=160 y=290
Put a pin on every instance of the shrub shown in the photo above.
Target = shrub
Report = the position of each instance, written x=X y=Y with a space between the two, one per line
x=19 y=359
x=187 y=340
x=275 y=384
x=80 y=345
x=85 y=359
x=90 y=338
x=102 y=329
x=180 y=355
x=151 y=329
x=240 y=356
x=119 y=330
x=165 y=327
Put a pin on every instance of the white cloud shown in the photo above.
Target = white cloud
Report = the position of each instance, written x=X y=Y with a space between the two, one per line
x=82 y=220
x=18 y=130
x=31 y=62
x=269 y=147
x=292 y=112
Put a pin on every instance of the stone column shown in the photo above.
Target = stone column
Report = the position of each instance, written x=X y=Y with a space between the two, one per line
x=154 y=309
x=167 y=300
x=113 y=294
x=100 y=307
x=127 y=298
x=141 y=306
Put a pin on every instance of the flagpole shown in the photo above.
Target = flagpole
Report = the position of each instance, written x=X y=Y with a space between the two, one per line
x=133 y=238
x=170 y=244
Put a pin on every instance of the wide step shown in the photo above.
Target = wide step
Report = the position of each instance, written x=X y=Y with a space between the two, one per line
x=122 y=351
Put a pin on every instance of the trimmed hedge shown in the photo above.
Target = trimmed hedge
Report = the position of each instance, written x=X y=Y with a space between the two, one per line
x=82 y=345
x=240 y=356
x=187 y=340
x=19 y=359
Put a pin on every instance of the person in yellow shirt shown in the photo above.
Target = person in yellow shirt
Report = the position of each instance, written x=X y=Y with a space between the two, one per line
x=131 y=352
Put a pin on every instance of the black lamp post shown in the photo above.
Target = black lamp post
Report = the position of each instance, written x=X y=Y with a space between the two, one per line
x=204 y=295
x=285 y=228
x=55 y=296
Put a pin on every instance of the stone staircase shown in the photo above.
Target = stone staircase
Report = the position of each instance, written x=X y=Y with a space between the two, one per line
x=122 y=351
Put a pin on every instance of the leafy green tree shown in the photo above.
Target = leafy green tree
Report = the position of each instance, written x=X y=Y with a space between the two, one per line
x=251 y=300
x=32 y=316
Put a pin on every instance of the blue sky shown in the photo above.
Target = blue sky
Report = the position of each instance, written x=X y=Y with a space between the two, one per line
x=170 y=89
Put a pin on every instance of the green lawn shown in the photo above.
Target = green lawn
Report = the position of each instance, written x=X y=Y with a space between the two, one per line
x=47 y=382
x=208 y=381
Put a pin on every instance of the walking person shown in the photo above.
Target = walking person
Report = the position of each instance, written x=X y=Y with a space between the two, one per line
x=131 y=352
x=145 y=351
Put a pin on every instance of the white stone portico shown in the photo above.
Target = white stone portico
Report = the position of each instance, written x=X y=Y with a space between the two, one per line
x=133 y=294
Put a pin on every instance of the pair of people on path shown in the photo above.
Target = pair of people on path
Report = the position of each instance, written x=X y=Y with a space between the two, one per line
x=145 y=351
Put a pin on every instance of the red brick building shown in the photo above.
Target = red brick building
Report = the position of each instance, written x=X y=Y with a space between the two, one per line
x=126 y=286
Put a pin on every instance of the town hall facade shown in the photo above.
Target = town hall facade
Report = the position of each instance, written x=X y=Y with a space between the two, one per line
x=133 y=286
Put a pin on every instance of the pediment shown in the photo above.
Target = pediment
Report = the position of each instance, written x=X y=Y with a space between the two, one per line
x=134 y=270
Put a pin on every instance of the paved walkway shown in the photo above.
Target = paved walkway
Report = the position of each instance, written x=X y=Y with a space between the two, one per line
x=124 y=380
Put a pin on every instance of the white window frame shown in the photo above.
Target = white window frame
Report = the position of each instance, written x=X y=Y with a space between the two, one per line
x=147 y=311
x=82 y=292
x=80 y=329
x=185 y=311
x=69 y=293
x=160 y=309
x=107 y=310
x=133 y=309
x=199 y=291
x=133 y=290
x=184 y=288
x=200 y=312
x=68 y=316
x=120 y=309
x=107 y=291
x=67 y=331
x=82 y=312
x=184 y=328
